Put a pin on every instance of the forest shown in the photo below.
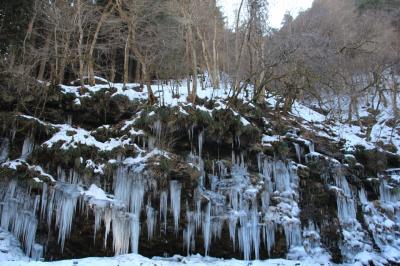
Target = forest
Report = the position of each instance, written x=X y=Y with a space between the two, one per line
x=156 y=129
x=335 y=49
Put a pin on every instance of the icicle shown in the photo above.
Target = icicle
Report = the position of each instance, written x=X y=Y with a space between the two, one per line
x=292 y=233
x=269 y=234
x=150 y=219
x=387 y=193
x=50 y=208
x=255 y=233
x=311 y=146
x=18 y=215
x=135 y=233
x=346 y=208
x=345 y=202
x=43 y=201
x=207 y=228
x=69 y=120
x=27 y=147
x=213 y=181
x=107 y=223
x=98 y=215
x=234 y=199
x=265 y=198
x=122 y=185
x=298 y=151
x=151 y=143
x=164 y=209
x=157 y=130
x=121 y=228
x=4 y=150
x=244 y=234
x=175 y=193
x=37 y=252
x=136 y=200
x=200 y=143
x=232 y=229
x=189 y=232
x=12 y=187
x=260 y=161
x=282 y=176
x=363 y=196
x=197 y=215
x=216 y=228
x=66 y=200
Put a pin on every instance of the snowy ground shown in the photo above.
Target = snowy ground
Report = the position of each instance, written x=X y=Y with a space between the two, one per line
x=137 y=260
x=11 y=254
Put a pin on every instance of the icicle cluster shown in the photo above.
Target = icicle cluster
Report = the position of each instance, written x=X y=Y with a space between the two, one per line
x=18 y=215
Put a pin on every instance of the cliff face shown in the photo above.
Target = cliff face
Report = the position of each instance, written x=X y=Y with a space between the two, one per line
x=98 y=172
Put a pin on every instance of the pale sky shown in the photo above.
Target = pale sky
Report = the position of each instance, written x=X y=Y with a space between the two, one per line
x=277 y=9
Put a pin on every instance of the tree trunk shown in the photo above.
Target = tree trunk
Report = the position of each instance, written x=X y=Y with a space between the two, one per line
x=152 y=98
x=394 y=96
x=215 y=55
x=126 y=56
x=350 y=110
x=81 y=63
x=104 y=15
x=64 y=58
x=43 y=62
x=238 y=50
x=205 y=55
x=194 y=65
x=113 y=65
x=29 y=30
x=187 y=54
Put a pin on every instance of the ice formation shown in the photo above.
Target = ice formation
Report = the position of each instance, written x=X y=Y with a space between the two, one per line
x=175 y=194
x=151 y=221
x=66 y=198
x=253 y=212
x=164 y=209
x=4 y=149
x=355 y=239
x=18 y=215
x=27 y=147
x=207 y=228
x=311 y=147
x=189 y=231
x=200 y=141
x=298 y=151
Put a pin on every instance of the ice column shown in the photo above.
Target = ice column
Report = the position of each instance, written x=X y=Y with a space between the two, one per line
x=150 y=219
x=207 y=228
x=298 y=151
x=164 y=209
x=27 y=147
x=175 y=193
x=4 y=149
x=66 y=197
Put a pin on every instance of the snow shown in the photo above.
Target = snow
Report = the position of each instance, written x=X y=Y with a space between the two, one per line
x=14 y=164
x=72 y=137
x=266 y=139
x=134 y=259
x=94 y=192
x=10 y=249
x=306 y=113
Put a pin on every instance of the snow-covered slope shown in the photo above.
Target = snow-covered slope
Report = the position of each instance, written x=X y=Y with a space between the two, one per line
x=118 y=174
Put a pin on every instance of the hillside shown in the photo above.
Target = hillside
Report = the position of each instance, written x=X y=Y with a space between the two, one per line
x=195 y=176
